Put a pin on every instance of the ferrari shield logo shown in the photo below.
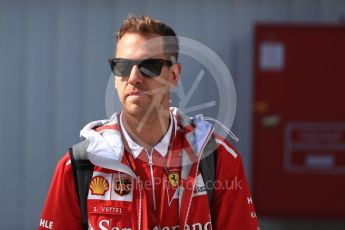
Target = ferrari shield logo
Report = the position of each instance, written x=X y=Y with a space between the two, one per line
x=174 y=179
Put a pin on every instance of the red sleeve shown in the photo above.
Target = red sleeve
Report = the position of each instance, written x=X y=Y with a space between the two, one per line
x=233 y=205
x=61 y=210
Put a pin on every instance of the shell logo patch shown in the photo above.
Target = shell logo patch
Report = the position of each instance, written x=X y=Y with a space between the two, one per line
x=122 y=185
x=174 y=179
x=99 y=186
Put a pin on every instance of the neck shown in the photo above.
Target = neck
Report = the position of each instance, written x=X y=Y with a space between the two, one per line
x=147 y=131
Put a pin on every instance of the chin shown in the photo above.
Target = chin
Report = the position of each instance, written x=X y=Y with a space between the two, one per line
x=136 y=110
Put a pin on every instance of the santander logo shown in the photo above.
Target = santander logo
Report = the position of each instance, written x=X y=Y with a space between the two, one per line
x=105 y=225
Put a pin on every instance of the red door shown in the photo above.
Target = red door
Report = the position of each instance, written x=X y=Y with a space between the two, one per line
x=299 y=121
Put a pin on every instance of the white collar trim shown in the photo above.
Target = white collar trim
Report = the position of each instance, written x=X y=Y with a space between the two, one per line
x=161 y=147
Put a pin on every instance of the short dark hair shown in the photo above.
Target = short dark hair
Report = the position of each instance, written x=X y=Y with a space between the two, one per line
x=146 y=25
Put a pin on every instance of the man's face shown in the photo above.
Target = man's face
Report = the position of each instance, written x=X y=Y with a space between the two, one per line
x=137 y=93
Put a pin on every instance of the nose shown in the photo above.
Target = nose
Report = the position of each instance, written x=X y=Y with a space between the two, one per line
x=135 y=76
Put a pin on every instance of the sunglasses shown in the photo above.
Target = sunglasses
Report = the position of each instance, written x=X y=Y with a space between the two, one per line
x=149 y=68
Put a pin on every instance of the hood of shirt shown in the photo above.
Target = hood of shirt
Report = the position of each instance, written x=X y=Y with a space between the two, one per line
x=106 y=148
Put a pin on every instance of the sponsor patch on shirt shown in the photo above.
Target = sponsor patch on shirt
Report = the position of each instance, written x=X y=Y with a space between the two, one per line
x=111 y=186
x=200 y=188
x=99 y=186
x=122 y=187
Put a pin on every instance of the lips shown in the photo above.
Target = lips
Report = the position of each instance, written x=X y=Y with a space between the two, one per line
x=136 y=94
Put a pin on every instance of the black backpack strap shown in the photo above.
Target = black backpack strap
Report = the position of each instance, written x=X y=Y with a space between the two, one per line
x=208 y=169
x=82 y=171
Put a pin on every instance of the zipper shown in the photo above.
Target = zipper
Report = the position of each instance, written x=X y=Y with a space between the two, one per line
x=150 y=163
x=197 y=169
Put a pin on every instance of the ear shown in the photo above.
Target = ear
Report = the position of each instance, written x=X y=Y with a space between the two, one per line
x=175 y=73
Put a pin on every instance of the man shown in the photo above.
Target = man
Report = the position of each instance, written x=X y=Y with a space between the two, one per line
x=147 y=157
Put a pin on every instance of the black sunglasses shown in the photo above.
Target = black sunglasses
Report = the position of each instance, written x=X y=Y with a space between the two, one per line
x=150 y=68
